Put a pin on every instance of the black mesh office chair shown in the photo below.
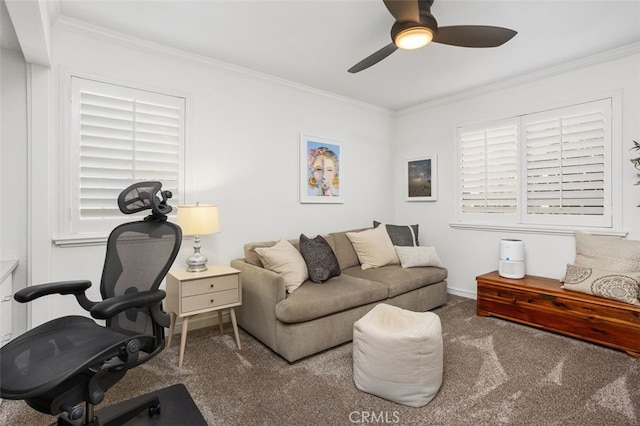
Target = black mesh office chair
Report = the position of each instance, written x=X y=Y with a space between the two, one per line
x=58 y=365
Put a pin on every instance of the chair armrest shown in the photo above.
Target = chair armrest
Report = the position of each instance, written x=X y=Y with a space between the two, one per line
x=114 y=305
x=61 y=287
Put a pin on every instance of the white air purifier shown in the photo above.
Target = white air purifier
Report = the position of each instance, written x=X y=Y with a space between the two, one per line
x=511 y=259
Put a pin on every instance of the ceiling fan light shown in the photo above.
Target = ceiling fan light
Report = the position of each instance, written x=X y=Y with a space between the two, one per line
x=414 y=38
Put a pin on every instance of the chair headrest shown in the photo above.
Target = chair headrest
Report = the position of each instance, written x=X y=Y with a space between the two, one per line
x=144 y=195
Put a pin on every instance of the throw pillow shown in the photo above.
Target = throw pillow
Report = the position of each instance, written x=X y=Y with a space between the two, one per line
x=624 y=287
x=373 y=247
x=418 y=256
x=610 y=253
x=250 y=254
x=401 y=235
x=284 y=259
x=321 y=261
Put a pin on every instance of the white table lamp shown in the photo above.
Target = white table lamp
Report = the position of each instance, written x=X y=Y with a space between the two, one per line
x=198 y=220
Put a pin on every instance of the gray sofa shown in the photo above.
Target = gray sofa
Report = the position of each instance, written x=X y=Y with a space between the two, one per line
x=318 y=316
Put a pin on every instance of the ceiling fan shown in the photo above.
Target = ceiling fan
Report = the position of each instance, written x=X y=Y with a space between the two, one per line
x=416 y=27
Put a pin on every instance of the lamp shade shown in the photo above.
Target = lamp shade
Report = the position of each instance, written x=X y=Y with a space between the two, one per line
x=199 y=219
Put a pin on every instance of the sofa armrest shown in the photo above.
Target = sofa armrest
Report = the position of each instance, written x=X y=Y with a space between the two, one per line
x=262 y=289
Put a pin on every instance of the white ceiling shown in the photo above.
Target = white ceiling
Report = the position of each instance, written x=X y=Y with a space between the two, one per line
x=314 y=42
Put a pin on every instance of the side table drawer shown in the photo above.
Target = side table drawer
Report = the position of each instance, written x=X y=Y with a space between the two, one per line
x=209 y=300
x=208 y=285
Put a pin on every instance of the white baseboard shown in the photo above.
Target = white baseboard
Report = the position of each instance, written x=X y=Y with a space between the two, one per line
x=463 y=293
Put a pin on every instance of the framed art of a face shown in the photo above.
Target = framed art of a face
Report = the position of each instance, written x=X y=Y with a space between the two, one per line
x=320 y=170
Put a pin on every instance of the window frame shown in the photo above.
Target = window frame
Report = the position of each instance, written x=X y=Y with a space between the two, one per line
x=69 y=232
x=612 y=220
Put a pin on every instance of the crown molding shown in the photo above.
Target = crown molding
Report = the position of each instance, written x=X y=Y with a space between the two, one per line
x=32 y=25
x=114 y=37
x=599 y=58
x=71 y=25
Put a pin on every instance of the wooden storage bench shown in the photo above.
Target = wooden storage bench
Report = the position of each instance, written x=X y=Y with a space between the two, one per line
x=541 y=303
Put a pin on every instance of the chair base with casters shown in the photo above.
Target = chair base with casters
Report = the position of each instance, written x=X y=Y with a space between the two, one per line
x=116 y=414
x=72 y=361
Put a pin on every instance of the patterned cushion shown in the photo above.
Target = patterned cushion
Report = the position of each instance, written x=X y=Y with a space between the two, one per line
x=418 y=256
x=321 y=261
x=624 y=287
x=401 y=235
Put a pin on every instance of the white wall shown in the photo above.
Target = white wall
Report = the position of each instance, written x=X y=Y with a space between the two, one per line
x=242 y=150
x=13 y=172
x=242 y=154
x=430 y=130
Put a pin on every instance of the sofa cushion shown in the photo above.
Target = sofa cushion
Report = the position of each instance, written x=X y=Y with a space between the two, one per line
x=401 y=235
x=399 y=280
x=620 y=286
x=610 y=253
x=313 y=300
x=346 y=254
x=411 y=257
x=320 y=259
x=251 y=257
x=250 y=254
x=284 y=259
x=374 y=248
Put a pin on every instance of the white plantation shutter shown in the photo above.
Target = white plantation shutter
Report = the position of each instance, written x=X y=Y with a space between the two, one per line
x=120 y=135
x=547 y=168
x=567 y=162
x=488 y=172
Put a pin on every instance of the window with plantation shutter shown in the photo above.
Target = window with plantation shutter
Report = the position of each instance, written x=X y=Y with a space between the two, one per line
x=119 y=135
x=567 y=165
x=488 y=172
x=544 y=168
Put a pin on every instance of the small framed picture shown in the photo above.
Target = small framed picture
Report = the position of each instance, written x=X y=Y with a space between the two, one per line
x=321 y=168
x=422 y=179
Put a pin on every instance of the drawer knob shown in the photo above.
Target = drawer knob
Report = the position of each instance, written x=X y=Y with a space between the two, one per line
x=212 y=300
x=211 y=285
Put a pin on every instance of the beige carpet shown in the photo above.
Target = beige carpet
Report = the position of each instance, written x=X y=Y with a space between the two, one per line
x=495 y=372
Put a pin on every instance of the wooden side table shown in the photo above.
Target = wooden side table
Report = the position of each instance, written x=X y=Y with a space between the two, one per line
x=192 y=293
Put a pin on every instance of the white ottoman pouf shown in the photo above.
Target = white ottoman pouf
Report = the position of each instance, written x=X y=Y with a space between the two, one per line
x=397 y=355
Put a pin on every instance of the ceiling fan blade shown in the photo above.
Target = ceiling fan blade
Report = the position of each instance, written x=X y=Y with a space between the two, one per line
x=374 y=58
x=474 y=35
x=404 y=10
